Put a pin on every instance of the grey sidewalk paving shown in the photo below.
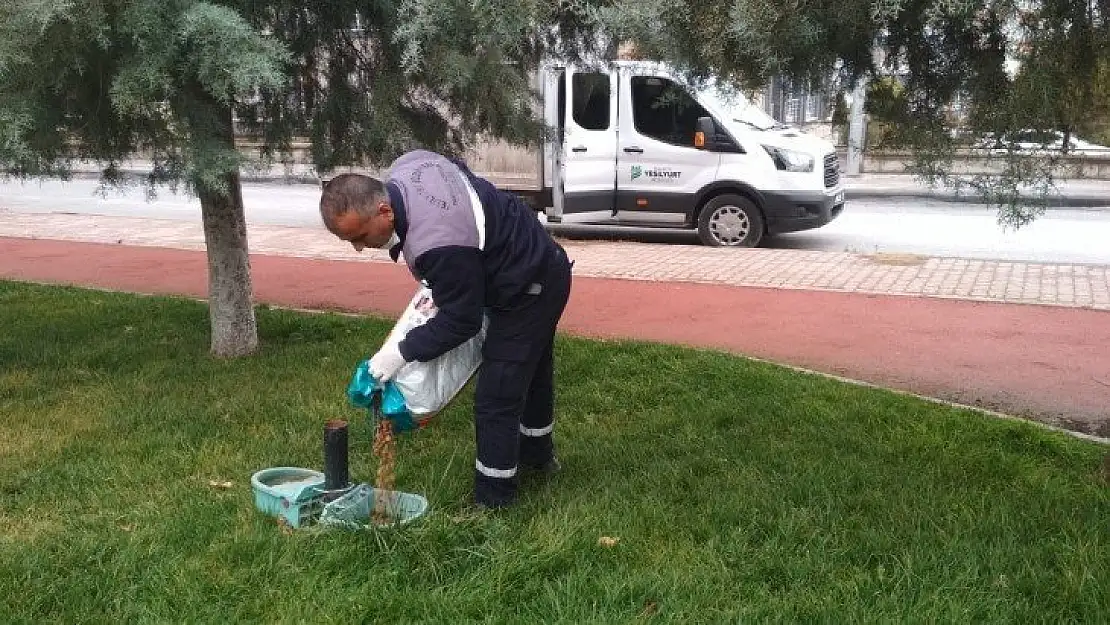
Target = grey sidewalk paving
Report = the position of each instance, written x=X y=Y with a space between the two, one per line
x=1070 y=285
x=1070 y=193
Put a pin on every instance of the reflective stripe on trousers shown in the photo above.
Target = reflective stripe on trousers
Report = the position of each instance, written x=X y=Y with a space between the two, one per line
x=537 y=432
x=501 y=474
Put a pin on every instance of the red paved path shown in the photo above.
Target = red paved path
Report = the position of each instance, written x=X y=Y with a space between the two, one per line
x=1052 y=363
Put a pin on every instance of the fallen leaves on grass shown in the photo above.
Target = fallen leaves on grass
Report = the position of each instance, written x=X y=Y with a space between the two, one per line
x=608 y=541
x=650 y=609
x=224 y=485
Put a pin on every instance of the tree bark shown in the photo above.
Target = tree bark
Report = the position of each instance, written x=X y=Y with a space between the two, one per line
x=231 y=309
x=230 y=297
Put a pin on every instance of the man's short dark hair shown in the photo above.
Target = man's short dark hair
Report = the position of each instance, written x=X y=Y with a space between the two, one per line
x=350 y=192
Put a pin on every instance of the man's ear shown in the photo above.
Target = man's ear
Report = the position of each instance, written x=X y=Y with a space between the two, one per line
x=385 y=210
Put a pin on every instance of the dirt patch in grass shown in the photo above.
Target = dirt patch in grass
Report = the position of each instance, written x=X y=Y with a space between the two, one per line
x=896 y=259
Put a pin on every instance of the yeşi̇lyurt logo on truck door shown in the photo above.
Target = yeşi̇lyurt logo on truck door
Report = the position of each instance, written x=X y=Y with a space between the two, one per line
x=654 y=173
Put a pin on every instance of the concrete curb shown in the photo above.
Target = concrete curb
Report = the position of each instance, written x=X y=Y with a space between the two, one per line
x=940 y=401
x=1094 y=438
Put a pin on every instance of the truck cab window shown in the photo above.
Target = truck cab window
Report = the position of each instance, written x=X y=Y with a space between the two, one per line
x=591 y=100
x=664 y=111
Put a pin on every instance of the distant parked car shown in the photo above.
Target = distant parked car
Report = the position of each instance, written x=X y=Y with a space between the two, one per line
x=1040 y=141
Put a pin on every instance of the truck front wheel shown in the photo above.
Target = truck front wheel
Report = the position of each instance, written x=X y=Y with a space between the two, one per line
x=730 y=221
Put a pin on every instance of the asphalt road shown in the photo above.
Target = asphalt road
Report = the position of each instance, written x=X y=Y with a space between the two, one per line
x=905 y=225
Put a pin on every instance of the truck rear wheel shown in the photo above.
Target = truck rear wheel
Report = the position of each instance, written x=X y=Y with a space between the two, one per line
x=730 y=221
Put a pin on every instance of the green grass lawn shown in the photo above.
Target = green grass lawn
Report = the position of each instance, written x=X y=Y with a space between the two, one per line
x=739 y=491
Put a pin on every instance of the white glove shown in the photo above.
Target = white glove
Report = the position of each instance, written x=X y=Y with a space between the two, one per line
x=386 y=363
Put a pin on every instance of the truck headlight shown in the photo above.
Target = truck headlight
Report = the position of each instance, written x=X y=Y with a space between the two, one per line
x=790 y=160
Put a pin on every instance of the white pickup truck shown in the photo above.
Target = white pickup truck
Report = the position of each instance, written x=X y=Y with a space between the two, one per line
x=636 y=147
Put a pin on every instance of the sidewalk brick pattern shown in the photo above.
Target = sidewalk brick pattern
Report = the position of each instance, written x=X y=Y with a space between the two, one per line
x=1070 y=285
x=889 y=274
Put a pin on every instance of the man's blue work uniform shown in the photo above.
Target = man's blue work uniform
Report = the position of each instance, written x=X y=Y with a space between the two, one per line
x=481 y=249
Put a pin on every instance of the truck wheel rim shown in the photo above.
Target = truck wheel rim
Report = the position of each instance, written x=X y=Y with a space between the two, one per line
x=729 y=225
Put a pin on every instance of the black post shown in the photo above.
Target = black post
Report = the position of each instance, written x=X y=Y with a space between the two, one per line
x=335 y=455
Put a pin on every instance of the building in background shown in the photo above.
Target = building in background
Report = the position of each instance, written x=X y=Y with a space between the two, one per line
x=808 y=109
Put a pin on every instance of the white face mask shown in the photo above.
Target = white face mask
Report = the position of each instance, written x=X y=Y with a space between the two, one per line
x=393 y=240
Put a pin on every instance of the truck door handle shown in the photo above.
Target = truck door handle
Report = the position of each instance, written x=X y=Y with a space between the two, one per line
x=635 y=149
x=578 y=148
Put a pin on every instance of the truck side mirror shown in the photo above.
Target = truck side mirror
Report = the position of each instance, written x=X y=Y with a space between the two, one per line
x=705 y=133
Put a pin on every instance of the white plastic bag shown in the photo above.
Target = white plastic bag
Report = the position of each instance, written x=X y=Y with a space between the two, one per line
x=429 y=386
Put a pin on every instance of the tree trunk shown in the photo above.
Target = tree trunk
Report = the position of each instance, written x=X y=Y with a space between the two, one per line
x=231 y=310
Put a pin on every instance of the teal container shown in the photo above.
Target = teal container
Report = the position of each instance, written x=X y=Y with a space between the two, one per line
x=292 y=493
x=352 y=510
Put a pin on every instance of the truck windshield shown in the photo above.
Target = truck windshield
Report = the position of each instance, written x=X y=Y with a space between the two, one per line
x=737 y=106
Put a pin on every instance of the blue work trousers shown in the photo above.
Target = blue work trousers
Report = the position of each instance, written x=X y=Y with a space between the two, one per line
x=514 y=398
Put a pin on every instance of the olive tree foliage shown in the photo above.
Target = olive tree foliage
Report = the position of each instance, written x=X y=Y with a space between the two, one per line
x=937 y=50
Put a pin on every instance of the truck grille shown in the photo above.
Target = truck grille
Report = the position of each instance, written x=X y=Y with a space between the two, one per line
x=832 y=170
